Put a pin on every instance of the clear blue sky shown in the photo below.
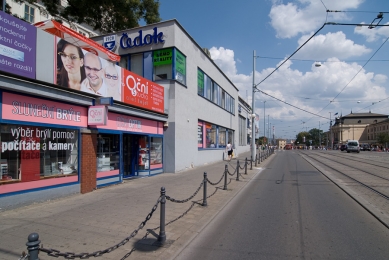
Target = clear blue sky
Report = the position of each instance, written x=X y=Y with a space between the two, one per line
x=232 y=30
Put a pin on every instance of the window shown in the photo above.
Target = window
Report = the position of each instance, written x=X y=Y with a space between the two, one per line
x=156 y=152
x=108 y=149
x=123 y=63
x=180 y=67
x=34 y=153
x=162 y=64
x=148 y=65
x=213 y=136
x=136 y=64
x=29 y=13
x=209 y=89
x=222 y=137
x=242 y=130
x=200 y=82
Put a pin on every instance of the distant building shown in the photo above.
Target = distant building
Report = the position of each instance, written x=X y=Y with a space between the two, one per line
x=281 y=143
x=36 y=12
x=356 y=126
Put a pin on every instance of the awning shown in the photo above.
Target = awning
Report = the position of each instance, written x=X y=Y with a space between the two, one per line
x=77 y=39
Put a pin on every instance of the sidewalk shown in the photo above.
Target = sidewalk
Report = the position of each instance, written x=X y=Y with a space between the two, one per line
x=103 y=218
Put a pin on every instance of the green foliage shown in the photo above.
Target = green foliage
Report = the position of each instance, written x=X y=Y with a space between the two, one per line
x=105 y=15
x=314 y=135
x=383 y=138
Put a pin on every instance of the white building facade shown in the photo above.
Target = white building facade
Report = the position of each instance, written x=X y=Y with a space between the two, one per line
x=202 y=101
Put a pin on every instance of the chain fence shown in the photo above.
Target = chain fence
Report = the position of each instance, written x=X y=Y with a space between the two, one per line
x=33 y=239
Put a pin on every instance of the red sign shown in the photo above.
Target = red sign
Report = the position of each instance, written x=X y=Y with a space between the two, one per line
x=140 y=92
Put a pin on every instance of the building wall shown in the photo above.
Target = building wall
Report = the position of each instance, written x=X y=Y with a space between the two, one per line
x=185 y=106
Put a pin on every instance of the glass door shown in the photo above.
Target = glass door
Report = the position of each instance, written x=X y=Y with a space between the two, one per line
x=130 y=145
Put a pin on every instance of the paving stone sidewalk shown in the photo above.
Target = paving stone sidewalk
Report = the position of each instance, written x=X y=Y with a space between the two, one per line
x=101 y=219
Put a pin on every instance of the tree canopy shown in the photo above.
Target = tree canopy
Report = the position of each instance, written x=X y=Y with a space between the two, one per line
x=105 y=15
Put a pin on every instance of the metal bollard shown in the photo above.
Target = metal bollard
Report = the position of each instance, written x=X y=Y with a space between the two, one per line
x=162 y=234
x=251 y=163
x=237 y=170
x=245 y=166
x=205 y=190
x=256 y=159
x=225 y=177
x=33 y=246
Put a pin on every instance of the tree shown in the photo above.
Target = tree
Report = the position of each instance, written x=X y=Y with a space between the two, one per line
x=383 y=138
x=104 y=15
x=314 y=135
x=302 y=138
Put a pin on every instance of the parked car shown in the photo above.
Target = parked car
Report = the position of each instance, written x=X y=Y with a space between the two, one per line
x=353 y=146
x=365 y=147
x=343 y=147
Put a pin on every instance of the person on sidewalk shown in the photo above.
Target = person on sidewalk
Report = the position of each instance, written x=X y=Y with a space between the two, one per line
x=229 y=150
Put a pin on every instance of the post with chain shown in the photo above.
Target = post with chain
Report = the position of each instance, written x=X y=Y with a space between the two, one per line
x=245 y=166
x=205 y=190
x=33 y=246
x=225 y=177
x=251 y=163
x=162 y=234
x=256 y=159
x=237 y=170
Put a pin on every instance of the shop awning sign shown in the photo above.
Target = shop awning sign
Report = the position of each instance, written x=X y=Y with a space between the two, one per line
x=97 y=115
x=76 y=39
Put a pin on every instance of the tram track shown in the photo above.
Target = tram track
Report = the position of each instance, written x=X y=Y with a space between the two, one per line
x=369 y=187
x=365 y=161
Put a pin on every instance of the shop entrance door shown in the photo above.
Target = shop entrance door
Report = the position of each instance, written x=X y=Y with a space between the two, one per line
x=130 y=149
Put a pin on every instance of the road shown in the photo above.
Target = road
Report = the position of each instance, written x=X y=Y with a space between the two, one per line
x=291 y=211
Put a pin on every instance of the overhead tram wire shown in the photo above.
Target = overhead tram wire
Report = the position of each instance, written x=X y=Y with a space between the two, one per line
x=313 y=35
x=360 y=69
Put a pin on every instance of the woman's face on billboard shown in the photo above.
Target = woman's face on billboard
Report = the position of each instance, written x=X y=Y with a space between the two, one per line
x=71 y=59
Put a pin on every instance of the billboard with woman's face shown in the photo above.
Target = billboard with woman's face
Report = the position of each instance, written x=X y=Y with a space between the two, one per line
x=84 y=71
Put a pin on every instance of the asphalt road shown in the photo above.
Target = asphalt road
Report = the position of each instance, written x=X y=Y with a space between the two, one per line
x=291 y=211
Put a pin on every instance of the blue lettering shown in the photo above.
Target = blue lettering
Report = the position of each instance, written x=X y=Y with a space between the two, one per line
x=126 y=42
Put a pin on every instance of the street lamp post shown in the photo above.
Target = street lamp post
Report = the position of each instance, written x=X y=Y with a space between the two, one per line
x=264 y=122
x=330 y=131
x=253 y=148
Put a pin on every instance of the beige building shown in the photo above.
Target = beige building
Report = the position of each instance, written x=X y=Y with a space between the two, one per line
x=373 y=130
x=280 y=143
x=356 y=126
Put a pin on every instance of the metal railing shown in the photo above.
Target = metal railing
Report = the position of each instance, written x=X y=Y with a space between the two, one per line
x=34 y=246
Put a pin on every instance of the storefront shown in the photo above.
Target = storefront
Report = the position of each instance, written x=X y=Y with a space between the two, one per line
x=127 y=147
x=55 y=138
x=40 y=144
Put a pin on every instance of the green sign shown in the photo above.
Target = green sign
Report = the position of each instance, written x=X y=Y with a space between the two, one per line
x=180 y=63
x=162 y=57
x=200 y=82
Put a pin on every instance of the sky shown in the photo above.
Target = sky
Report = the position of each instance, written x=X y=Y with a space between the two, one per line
x=299 y=95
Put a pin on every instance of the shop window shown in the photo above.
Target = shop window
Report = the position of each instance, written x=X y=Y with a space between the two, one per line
x=143 y=160
x=222 y=137
x=180 y=66
x=211 y=141
x=29 y=13
x=162 y=64
x=136 y=64
x=108 y=151
x=156 y=152
x=200 y=135
x=30 y=153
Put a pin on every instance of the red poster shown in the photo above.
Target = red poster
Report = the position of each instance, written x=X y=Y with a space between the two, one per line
x=140 y=92
x=30 y=157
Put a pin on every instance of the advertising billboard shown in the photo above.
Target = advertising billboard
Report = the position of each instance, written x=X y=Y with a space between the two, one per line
x=82 y=70
x=17 y=46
